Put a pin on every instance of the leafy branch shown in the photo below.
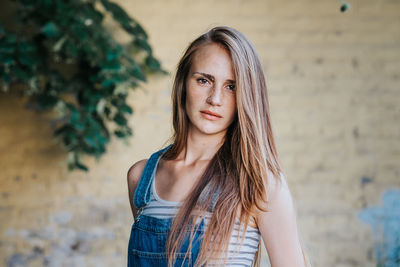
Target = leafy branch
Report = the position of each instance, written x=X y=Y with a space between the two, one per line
x=71 y=65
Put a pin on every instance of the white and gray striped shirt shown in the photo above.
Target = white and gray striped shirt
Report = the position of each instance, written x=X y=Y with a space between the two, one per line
x=237 y=256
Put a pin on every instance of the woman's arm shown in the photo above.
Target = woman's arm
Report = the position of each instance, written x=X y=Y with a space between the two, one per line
x=278 y=226
x=133 y=176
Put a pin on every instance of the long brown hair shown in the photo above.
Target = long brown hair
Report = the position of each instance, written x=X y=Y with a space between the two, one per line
x=237 y=174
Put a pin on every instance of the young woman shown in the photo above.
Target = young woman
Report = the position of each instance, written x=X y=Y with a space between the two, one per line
x=209 y=197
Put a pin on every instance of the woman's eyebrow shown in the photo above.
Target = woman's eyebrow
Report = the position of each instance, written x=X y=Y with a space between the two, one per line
x=211 y=77
x=208 y=76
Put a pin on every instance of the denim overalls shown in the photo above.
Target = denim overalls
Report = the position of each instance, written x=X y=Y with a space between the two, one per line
x=147 y=243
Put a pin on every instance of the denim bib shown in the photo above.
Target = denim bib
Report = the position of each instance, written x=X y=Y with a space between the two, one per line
x=147 y=243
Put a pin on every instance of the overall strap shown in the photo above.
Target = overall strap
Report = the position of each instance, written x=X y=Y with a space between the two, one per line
x=143 y=192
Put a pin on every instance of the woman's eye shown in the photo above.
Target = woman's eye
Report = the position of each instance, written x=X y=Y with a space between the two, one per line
x=202 y=80
x=231 y=87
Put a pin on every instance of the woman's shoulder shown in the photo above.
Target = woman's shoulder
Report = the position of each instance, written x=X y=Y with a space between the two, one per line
x=133 y=176
x=275 y=182
x=135 y=172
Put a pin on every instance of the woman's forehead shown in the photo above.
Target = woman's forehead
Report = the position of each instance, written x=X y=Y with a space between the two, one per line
x=213 y=59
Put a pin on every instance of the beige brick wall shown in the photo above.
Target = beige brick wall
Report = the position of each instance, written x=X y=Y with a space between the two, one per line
x=333 y=83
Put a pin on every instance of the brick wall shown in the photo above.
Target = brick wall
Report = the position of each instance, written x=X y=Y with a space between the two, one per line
x=333 y=83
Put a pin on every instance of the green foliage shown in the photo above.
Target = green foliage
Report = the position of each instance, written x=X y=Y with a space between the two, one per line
x=92 y=99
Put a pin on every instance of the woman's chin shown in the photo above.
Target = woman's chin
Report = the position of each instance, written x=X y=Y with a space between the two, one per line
x=209 y=130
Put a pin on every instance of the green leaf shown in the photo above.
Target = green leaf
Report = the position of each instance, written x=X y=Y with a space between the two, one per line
x=118 y=13
x=75 y=116
x=29 y=60
x=136 y=72
x=75 y=119
x=101 y=140
x=74 y=161
x=138 y=30
x=123 y=131
x=152 y=63
x=64 y=130
x=81 y=166
x=125 y=108
x=70 y=139
x=80 y=31
x=119 y=134
x=129 y=24
x=114 y=65
x=107 y=112
x=120 y=119
x=92 y=13
x=104 y=130
x=50 y=29
x=79 y=126
x=111 y=55
x=90 y=142
x=142 y=43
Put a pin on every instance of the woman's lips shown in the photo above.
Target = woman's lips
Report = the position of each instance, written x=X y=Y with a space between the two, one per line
x=210 y=115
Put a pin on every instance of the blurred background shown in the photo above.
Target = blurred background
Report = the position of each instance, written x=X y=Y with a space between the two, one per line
x=333 y=80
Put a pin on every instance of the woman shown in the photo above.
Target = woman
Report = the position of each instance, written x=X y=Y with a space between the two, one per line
x=209 y=197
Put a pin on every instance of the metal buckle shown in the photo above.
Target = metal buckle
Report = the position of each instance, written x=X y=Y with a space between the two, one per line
x=137 y=218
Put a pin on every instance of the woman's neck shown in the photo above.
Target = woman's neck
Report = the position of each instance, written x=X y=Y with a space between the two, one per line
x=201 y=147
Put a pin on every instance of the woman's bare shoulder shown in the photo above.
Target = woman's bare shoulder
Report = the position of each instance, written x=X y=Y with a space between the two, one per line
x=135 y=172
x=133 y=176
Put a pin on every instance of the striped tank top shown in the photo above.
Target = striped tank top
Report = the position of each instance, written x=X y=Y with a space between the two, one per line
x=242 y=256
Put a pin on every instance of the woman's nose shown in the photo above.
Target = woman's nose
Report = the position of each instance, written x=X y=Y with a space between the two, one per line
x=215 y=97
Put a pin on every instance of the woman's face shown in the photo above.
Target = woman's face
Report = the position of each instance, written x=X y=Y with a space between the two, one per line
x=210 y=91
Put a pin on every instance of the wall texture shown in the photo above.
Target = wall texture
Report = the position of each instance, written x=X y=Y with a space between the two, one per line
x=333 y=81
